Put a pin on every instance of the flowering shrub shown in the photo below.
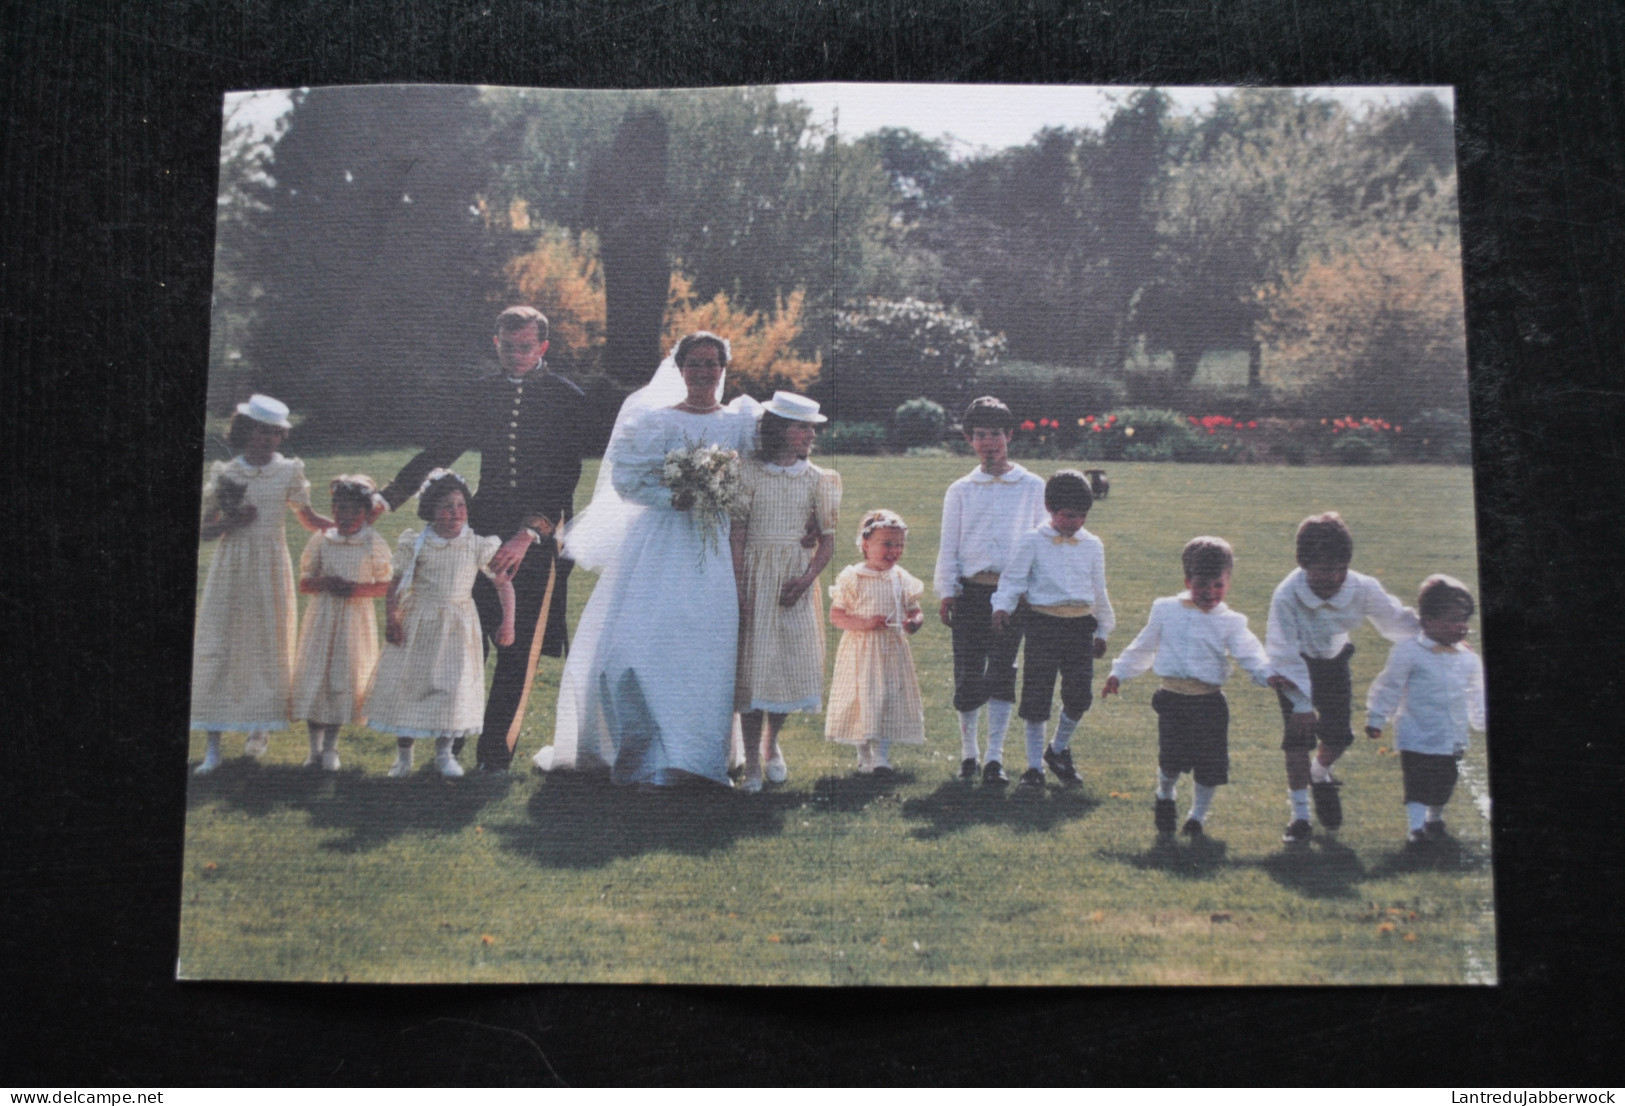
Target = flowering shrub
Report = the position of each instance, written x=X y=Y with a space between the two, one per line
x=919 y=422
x=900 y=349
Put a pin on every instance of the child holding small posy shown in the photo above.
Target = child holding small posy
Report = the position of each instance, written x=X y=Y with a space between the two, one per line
x=874 y=699
x=242 y=654
x=431 y=680
x=983 y=516
x=343 y=569
x=1311 y=614
x=1060 y=570
x=1432 y=690
x=1188 y=641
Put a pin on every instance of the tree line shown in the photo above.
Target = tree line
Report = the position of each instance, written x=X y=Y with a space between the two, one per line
x=364 y=246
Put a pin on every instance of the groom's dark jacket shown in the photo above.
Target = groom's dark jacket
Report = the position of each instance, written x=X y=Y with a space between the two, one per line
x=529 y=436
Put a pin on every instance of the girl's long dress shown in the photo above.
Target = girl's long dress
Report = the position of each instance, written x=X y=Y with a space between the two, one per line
x=338 y=643
x=781 y=649
x=875 y=693
x=647 y=691
x=242 y=653
x=433 y=683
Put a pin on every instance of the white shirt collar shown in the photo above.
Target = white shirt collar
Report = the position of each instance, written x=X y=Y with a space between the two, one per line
x=979 y=475
x=332 y=534
x=794 y=468
x=254 y=470
x=1340 y=599
x=434 y=539
x=1429 y=644
x=1185 y=599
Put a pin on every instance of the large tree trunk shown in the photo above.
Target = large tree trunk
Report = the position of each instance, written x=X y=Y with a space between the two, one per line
x=627 y=205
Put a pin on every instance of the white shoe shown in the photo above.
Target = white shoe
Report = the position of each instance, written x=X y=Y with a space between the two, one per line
x=257 y=745
x=211 y=761
x=330 y=760
x=776 y=770
x=447 y=766
x=400 y=769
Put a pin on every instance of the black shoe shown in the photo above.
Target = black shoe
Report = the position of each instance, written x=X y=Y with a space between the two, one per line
x=884 y=772
x=1032 y=780
x=1060 y=762
x=1435 y=829
x=993 y=774
x=1192 y=828
x=967 y=769
x=1298 y=833
x=1163 y=811
x=1417 y=839
x=1328 y=806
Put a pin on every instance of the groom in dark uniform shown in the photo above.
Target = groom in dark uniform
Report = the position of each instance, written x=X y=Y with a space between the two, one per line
x=528 y=425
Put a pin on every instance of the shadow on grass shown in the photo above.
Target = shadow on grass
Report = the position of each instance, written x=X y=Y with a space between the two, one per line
x=852 y=793
x=1325 y=869
x=1445 y=854
x=371 y=810
x=583 y=821
x=1188 y=858
x=958 y=806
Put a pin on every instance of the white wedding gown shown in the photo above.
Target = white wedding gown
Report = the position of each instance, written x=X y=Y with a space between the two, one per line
x=647 y=691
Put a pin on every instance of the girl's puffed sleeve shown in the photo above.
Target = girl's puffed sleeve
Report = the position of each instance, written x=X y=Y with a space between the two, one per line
x=405 y=550
x=827 y=501
x=913 y=588
x=376 y=569
x=298 y=485
x=843 y=592
x=310 y=561
x=748 y=473
x=487 y=547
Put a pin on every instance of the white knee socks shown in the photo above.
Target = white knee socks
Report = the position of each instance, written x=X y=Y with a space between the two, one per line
x=998 y=723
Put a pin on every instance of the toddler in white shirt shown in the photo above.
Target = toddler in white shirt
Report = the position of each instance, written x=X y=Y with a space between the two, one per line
x=1060 y=570
x=1433 y=690
x=1188 y=641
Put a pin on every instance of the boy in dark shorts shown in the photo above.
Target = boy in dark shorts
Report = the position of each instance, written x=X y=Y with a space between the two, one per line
x=983 y=515
x=1188 y=641
x=1060 y=570
x=1433 y=690
x=1311 y=614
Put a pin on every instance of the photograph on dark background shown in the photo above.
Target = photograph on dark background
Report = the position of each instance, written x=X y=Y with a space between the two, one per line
x=838 y=535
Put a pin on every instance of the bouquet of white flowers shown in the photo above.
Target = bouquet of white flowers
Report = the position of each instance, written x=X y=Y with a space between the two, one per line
x=704 y=481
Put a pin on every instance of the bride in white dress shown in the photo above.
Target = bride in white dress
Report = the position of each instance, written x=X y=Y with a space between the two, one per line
x=647 y=691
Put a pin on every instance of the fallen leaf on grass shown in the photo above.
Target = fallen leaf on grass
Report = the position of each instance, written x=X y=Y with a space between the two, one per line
x=1410 y=936
x=487 y=939
x=774 y=938
x=1386 y=927
x=210 y=866
x=1098 y=916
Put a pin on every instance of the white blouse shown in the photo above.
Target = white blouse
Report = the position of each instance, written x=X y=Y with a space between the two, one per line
x=1182 y=641
x=1432 y=692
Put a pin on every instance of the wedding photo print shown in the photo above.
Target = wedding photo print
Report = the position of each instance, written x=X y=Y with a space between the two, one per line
x=834 y=535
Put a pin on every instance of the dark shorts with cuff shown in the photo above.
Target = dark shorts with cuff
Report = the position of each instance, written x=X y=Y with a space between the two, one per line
x=1430 y=778
x=1193 y=735
x=984 y=661
x=1064 y=646
x=1331 y=690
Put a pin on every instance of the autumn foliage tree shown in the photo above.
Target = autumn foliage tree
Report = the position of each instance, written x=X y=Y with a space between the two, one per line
x=764 y=357
x=561 y=277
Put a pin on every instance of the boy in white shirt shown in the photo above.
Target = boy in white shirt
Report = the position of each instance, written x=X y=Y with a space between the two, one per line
x=1311 y=614
x=1433 y=690
x=1188 y=641
x=1060 y=570
x=983 y=515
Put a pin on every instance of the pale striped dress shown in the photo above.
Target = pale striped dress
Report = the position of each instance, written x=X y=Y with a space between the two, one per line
x=242 y=652
x=433 y=684
x=338 y=643
x=875 y=694
x=781 y=649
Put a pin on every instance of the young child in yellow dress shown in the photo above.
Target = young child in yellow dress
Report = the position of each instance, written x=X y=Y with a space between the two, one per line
x=242 y=653
x=784 y=498
x=430 y=682
x=343 y=570
x=874 y=700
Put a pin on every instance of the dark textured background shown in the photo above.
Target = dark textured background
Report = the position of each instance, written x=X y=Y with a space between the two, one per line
x=109 y=132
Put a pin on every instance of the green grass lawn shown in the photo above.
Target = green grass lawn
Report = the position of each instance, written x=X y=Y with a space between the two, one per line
x=833 y=878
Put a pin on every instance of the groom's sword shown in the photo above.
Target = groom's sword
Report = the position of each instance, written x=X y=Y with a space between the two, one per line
x=546 y=529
